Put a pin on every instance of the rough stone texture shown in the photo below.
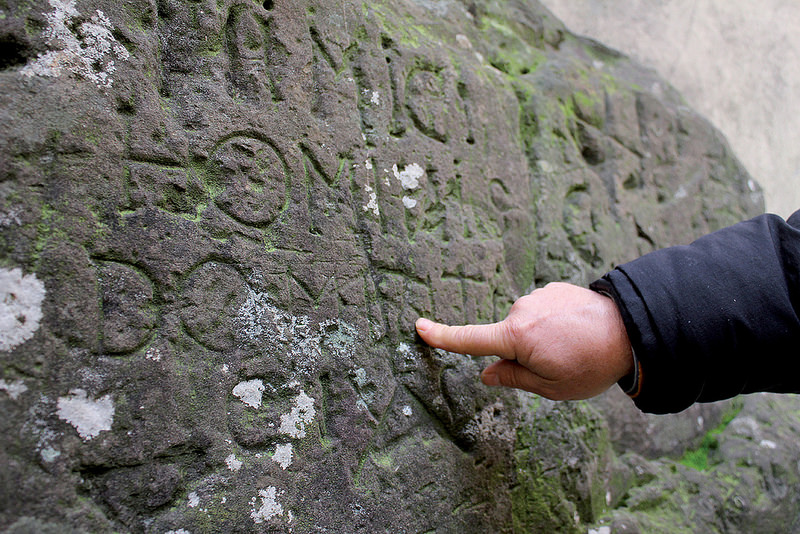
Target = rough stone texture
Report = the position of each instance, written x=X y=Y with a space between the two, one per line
x=631 y=430
x=744 y=477
x=733 y=61
x=237 y=209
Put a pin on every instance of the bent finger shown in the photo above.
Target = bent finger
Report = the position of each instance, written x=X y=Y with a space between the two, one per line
x=478 y=340
x=514 y=375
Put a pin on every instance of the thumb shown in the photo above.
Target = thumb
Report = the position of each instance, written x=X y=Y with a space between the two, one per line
x=514 y=375
x=478 y=340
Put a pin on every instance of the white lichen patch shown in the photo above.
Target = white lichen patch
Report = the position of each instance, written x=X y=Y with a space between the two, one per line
x=153 y=354
x=405 y=350
x=261 y=322
x=258 y=319
x=194 y=500
x=49 y=454
x=409 y=176
x=409 y=202
x=283 y=455
x=250 y=392
x=368 y=165
x=768 y=444
x=407 y=411
x=374 y=96
x=360 y=377
x=372 y=204
x=89 y=417
x=179 y=531
x=408 y=358
x=88 y=50
x=21 y=298
x=14 y=389
x=10 y=218
x=232 y=463
x=270 y=507
x=294 y=423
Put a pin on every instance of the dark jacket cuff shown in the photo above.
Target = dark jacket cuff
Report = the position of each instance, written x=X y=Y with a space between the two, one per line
x=630 y=384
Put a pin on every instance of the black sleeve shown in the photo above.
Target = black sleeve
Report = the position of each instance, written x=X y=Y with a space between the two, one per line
x=716 y=318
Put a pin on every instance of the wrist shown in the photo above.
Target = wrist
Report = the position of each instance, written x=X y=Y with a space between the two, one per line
x=630 y=379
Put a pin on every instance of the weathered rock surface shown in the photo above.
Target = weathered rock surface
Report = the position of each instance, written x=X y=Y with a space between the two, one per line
x=220 y=219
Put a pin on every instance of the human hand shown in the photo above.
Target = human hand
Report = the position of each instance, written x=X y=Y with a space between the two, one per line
x=561 y=342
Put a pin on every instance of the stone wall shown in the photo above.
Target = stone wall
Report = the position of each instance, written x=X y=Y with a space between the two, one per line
x=733 y=60
x=220 y=219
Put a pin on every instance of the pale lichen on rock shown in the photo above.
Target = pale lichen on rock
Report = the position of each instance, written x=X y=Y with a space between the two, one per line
x=372 y=204
x=269 y=506
x=250 y=392
x=233 y=463
x=14 y=389
x=21 y=298
x=87 y=51
x=283 y=455
x=90 y=417
x=410 y=175
x=294 y=423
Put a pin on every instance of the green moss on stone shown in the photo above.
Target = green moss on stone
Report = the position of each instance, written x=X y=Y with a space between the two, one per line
x=540 y=505
x=50 y=226
x=700 y=458
x=511 y=54
x=404 y=30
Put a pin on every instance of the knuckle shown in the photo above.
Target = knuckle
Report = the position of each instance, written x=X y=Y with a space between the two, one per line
x=511 y=334
x=512 y=328
x=523 y=301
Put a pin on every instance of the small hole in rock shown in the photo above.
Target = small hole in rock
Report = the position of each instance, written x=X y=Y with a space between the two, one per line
x=267 y=5
x=13 y=52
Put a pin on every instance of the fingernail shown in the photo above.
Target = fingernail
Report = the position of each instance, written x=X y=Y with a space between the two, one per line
x=490 y=379
x=423 y=325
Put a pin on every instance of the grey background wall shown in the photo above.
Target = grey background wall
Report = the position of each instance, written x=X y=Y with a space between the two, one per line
x=734 y=61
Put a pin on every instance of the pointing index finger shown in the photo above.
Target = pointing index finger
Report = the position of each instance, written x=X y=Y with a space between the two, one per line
x=478 y=340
